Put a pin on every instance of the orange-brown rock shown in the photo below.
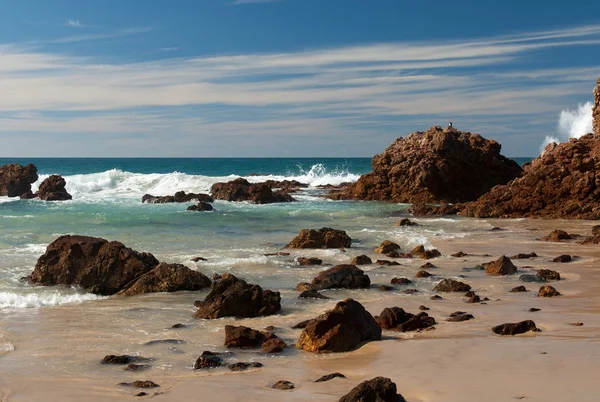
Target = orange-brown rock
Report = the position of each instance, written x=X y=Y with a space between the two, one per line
x=596 y=109
x=16 y=180
x=502 y=266
x=167 y=278
x=241 y=190
x=321 y=238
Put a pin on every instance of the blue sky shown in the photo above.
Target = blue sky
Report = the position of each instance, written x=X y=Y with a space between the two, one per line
x=286 y=77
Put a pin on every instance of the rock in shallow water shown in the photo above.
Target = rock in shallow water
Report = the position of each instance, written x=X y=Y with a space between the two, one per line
x=283 y=385
x=241 y=190
x=378 y=389
x=16 y=180
x=502 y=266
x=397 y=319
x=322 y=238
x=343 y=276
x=515 y=328
x=329 y=377
x=167 y=278
x=450 y=285
x=208 y=360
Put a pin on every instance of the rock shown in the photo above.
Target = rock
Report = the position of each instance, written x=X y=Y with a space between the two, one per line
x=270 y=328
x=52 y=189
x=450 y=285
x=424 y=308
x=16 y=180
x=397 y=319
x=340 y=330
x=329 y=377
x=283 y=385
x=179 y=196
x=436 y=297
x=198 y=259
x=361 y=260
x=406 y=222
x=385 y=288
x=420 y=251
x=309 y=261
x=304 y=286
x=548 y=291
x=533 y=309
x=233 y=297
x=515 y=329
x=502 y=266
x=523 y=256
x=141 y=394
x=411 y=291
x=435 y=166
x=422 y=209
x=245 y=337
x=201 y=207
x=596 y=230
x=208 y=360
x=140 y=384
x=311 y=294
x=531 y=278
x=387 y=247
x=518 y=289
x=322 y=238
x=548 y=275
x=99 y=266
x=242 y=366
x=474 y=299
x=273 y=345
x=241 y=190
x=460 y=316
x=287 y=185
x=137 y=367
x=122 y=359
x=596 y=110
x=378 y=389
x=423 y=274
x=427 y=265
x=165 y=342
x=386 y=262
x=576 y=324
x=343 y=276
x=563 y=258
x=167 y=278
x=557 y=236
x=459 y=254
x=470 y=293
x=401 y=281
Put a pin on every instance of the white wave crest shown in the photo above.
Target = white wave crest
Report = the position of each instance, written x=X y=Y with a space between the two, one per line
x=46 y=298
x=317 y=175
x=572 y=123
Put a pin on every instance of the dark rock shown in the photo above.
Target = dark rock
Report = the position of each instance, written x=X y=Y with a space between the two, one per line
x=386 y=262
x=53 y=189
x=470 y=293
x=340 y=330
x=244 y=337
x=343 y=276
x=137 y=367
x=123 y=359
x=385 y=288
x=436 y=297
x=198 y=259
x=378 y=389
x=273 y=345
x=94 y=264
x=393 y=254
x=165 y=342
x=557 y=236
x=140 y=384
x=576 y=324
x=208 y=360
x=167 y=278
x=329 y=377
x=283 y=385
x=439 y=165
x=242 y=366
x=450 y=285
x=233 y=297
x=322 y=238
x=424 y=308
x=309 y=261
x=241 y=190
x=502 y=266
x=563 y=258
x=361 y=260
x=312 y=294
x=518 y=289
x=406 y=222
x=423 y=274
x=459 y=254
x=179 y=326
x=141 y=394
x=548 y=274
x=397 y=319
x=533 y=309
x=401 y=281
x=179 y=196
x=516 y=328
x=16 y=180
x=474 y=299
x=304 y=286
x=523 y=256
x=411 y=291
x=460 y=316
x=531 y=278
x=201 y=207
x=420 y=252
x=423 y=209
x=548 y=291
x=427 y=265
x=387 y=247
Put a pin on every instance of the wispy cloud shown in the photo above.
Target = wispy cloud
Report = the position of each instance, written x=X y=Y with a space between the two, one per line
x=74 y=23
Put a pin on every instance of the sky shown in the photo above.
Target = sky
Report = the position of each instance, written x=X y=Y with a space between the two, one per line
x=286 y=78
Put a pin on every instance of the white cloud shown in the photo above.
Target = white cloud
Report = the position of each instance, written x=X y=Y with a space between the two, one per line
x=75 y=23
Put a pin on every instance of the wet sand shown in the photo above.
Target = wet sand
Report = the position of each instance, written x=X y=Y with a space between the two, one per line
x=57 y=349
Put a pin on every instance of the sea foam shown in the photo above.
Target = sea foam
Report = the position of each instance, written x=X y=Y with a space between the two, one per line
x=45 y=298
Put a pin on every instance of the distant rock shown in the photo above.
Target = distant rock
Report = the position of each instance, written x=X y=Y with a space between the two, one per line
x=179 y=196
x=322 y=238
x=460 y=316
x=283 y=385
x=241 y=190
x=406 y=222
x=502 y=266
x=378 y=389
x=201 y=207
x=548 y=274
x=16 y=180
x=420 y=252
x=516 y=328
x=518 y=289
x=309 y=261
x=435 y=166
x=450 y=285
x=401 y=281
x=343 y=276
x=523 y=256
x=329 y=377
x=311 y=294
x=208 y=360
x=557 y=236
x=563 y=258
x=243 y=366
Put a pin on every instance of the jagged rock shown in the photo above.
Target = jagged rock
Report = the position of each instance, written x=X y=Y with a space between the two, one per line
x=329 y=377
x=450 y=285
x=340 y=330
x=401 y=281
x=548 y=291
x=16 y=180
x=387 y=247
x=548 y=275
x=518 y=289
x=51 y=189
x=241 y=190
x=438 y=165
x=242 y=366
x=95 y=264
x=208 y=360
x=523 y=256
x=322 y=238
x=343 y=276
x=557 y=236
x=273 y=345
x=233 y=297
x=515 y=328
x=167 y=278
x=502 y=266
x=596 y=110
x=563 y=258
x=420 y=252
x=361 y=260
x=378 y=389
x=283 y=385
x=309 y=261
x=311 y=294
x=406 y=222
x=201 y=207
x=179 y=196
x=397 y=319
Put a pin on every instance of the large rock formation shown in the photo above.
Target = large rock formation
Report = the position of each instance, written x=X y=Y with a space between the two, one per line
x=167 y=278
x=16 y=180
x=596 y=109
x=241 y=190
x=561 y=183
x=438 y=165
x=233 y=297
x=344 y=276
x=340 y=330
x=52 y=188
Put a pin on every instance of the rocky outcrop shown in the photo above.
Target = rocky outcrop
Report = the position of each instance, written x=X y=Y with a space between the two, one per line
x=450 y=285
x=95 y=264
x=438 y=165
x=233 y=297
x=16 y=180
x=179 y=196
x=379 y=389
x=51 y=189
x=343 y=276
x=502 y=266
x=321 y=238
x=516 y=328
x=559 y=184
x=397 y=319
x=167 y=278
x=340 y=330
x=241 y=190
x=596 y=109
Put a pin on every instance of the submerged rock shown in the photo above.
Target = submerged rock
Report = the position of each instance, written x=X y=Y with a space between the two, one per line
x=523 y=256
x=245 y=337
x=516 y=328
x=233 y=297
x=460 y=316
x=16 y=180
x=378 y=389
x=340 y=330
x=420 y=252
x=243 y=366
x=518 y=289
x=406 y=222
x=241 y=190
x=322 y=238
x=563 y=258
x=179 y=196
x=167 y=278
x=557 y=236
x=309 y=261
x=311 y=294
x=548 y=275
